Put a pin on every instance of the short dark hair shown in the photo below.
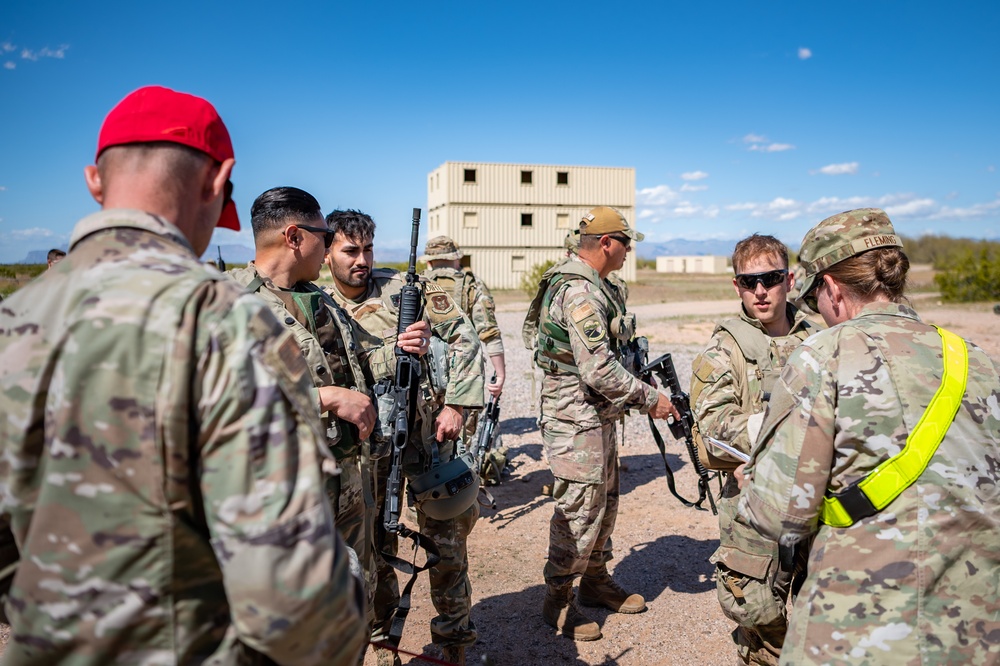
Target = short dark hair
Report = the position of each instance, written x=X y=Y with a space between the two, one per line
x=279 y=206
x=55 y=253
x=758 y=245
x=353 y=224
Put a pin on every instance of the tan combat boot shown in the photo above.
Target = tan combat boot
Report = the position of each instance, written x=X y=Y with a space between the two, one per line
x=454 y=654
x=386 y=657
x=601 y=590
x=560 y=611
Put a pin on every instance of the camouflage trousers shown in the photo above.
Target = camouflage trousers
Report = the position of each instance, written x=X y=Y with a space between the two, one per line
x=585 y=512
x=355 y=521
x=451 y=591
x=751 y=588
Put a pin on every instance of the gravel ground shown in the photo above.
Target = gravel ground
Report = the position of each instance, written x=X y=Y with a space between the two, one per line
x=661 y=547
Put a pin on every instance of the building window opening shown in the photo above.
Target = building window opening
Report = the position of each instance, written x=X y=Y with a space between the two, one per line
x=562 y=177
x=470 y=220
x=517 y=263
x=526 y=219
x=470 y=175
x=562 y=220
x=526 y=177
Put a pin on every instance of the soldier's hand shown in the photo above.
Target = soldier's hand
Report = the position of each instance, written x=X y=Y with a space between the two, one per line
x=351 y=406
x=496 y=387
x=416 y=339
x=738 y=473
x=449 y=423
x=663 y=408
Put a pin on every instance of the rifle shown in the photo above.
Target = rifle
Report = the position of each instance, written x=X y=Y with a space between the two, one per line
x=222 y=264
x=663 y=368
x=403 y=393
x=488 y=433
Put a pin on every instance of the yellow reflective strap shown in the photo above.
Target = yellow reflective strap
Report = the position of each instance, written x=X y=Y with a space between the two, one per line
x=884 y=484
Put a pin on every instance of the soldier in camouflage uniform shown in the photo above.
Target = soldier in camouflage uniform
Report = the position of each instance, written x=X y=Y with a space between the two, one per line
x=576 y=324
x=291 y=238
x=160 y=462
x=731 y=382
x=904 y=566
x=453 y=382
x=443 y=258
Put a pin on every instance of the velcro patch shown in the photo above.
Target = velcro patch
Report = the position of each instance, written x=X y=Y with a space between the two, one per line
x=441 y=304
x=582 y=312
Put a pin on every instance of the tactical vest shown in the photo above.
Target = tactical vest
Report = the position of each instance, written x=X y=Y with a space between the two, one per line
x=550 y=342
x=755 y=346
x=461 y=285
x=325 y=338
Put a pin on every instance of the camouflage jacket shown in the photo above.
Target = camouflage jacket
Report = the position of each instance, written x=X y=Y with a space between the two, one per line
x=324 y=334
x=918 y=582
x=476 y=301
x=160 y=467
x=603 y=389
x=375 y=317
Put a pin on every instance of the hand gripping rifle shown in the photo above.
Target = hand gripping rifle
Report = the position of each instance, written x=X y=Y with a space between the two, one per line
x=402 y=417
x=663 y=369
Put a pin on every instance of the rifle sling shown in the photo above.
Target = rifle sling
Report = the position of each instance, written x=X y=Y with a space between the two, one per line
x=703 y=490
x=403 y=608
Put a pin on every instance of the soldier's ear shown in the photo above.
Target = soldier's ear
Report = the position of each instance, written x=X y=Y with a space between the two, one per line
x=94 y=184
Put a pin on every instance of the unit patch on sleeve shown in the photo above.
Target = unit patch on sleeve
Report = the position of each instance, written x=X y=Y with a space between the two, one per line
x=441 y=304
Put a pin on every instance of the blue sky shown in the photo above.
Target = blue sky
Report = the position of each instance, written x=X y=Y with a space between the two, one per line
x=737 y=116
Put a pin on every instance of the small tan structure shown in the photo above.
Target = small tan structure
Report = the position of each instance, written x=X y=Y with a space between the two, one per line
x=701 y=264
x=508 y=218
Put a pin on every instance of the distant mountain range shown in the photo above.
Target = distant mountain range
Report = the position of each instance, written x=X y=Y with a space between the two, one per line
x=241 y=254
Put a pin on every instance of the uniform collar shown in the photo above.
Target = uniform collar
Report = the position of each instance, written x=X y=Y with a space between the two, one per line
x=118 y=218
x=877 y=308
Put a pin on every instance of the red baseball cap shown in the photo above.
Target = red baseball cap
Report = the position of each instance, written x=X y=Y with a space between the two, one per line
x=155 y=113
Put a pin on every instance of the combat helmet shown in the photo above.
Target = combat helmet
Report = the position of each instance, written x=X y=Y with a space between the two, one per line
x=446 y=491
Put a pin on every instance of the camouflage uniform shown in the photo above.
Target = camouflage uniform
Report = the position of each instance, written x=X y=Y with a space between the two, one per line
x=160 y=467
x=584 y=392
x=375 y=317
x=323 y=332
x=919 y=581
x=728 y=385
x=476 y=301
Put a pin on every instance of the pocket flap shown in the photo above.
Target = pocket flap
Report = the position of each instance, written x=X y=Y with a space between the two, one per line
x=754 y=566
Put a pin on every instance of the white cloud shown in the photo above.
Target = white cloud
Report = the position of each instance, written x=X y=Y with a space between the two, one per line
x=849 y=168
x=45 y=52
x=694 y=175
x=3 y=188
x=9 y=65
x=7 y=47
x=661 y=195
x=754 y=138
x=688 y=187
x=804 y=53
x=772 y=147
x=28 y=54
x=29 y=234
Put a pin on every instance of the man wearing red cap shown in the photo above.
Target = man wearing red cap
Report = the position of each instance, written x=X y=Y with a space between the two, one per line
x=160 y=469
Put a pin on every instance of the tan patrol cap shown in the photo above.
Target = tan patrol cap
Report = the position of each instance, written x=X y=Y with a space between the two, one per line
x=606 y=220
x=441 y=247
x=842 y=236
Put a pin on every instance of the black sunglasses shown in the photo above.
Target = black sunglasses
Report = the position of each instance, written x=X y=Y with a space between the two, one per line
x=327 y=233
x=768 y=279
x=624 y=240
x=227 y=195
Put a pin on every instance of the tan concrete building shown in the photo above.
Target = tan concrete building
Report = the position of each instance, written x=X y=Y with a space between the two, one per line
x=508 y=218
x=695 y=264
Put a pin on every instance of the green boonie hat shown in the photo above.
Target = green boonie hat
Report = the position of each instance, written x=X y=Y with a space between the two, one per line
x=441 y=247
x=606 y=220
x=572 y=241
x=842 y=236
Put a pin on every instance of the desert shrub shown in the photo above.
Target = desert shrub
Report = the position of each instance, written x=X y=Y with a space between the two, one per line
x=971 y=275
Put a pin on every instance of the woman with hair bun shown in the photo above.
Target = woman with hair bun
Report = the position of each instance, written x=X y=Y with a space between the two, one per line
x=880 y=454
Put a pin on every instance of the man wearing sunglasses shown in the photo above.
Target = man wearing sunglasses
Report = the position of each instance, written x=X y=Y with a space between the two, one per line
x=160 y=461
x=292 y=239
x=577 y=325
x=730 y=385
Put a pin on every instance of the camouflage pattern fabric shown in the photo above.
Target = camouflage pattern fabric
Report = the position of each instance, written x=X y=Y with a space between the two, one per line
x=918 y=582
x=160 y=467
x=325 y=338
x=375 y=316
x=578 y=413
x=725 y=391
